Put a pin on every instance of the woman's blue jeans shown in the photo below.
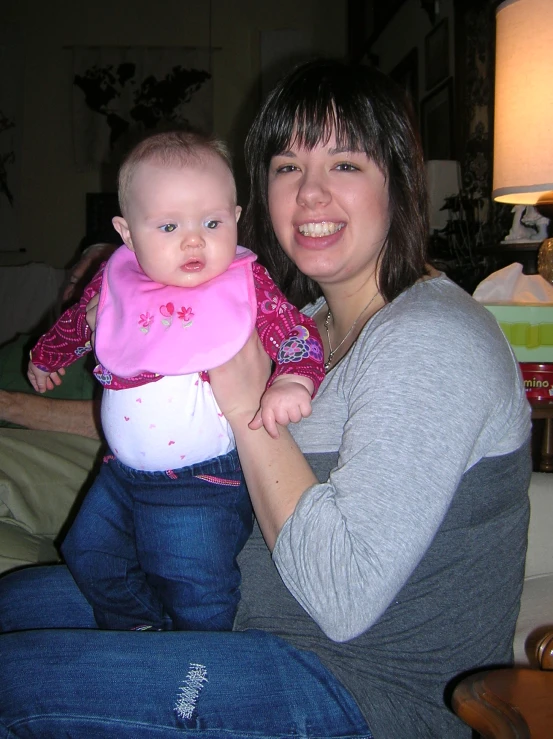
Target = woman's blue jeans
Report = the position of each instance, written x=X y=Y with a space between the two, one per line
x=158 y=549
x=61 y=677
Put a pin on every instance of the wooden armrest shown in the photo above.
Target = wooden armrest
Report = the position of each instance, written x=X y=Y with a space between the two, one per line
x=510 y=703
x=544 y=652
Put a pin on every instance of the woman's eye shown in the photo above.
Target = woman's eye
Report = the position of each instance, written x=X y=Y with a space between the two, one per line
x=286 y=168
x=168 y=227
x=346 y=167
x=212 y=224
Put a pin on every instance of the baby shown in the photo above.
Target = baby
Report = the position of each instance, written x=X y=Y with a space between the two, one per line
x=155 y=542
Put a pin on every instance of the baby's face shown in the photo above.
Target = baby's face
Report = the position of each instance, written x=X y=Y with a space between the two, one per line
x=182 y=221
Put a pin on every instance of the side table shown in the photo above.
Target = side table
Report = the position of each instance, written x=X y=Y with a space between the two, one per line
x=526 y=253
x=543 y=409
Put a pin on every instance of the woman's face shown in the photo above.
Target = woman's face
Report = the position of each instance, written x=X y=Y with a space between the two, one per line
x=329 y=209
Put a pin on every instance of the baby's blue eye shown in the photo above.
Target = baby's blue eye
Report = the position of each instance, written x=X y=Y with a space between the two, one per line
x=212 y=224
x=168 y=227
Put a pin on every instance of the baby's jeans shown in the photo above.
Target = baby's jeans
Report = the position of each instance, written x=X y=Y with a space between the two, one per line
x=158 y=549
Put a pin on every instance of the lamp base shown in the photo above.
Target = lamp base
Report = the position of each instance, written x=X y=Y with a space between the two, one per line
x=545 y=260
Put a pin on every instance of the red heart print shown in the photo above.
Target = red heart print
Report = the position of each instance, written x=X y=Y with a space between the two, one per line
x=167 y=310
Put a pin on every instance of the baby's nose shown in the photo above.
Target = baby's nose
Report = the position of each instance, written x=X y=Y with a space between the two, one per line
x=192 y=239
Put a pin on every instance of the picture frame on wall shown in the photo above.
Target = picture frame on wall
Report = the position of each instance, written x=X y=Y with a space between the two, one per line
x=436 y=55
x=436 y=117
x=406 y=74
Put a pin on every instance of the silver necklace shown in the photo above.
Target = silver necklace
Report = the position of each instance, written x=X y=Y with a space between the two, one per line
x=331 y=351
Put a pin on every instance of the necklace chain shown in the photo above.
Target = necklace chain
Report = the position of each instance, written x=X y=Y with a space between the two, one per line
x=331 y=351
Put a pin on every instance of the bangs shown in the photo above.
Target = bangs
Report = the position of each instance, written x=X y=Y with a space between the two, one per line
x=310 y=115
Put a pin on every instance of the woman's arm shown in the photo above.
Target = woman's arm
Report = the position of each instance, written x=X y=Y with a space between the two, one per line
x=276 y=471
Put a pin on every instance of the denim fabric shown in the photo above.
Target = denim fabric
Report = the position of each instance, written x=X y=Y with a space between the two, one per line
x=159 y=549
x=80 y=682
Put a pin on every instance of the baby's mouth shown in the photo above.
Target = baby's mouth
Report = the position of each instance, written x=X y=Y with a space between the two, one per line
x=192 y=265
x=318 y=230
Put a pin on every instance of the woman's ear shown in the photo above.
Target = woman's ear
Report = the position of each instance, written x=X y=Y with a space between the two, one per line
x=122 y=228
x=238 y=211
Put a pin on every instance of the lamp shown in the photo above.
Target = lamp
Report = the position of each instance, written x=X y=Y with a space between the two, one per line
x=523 y=115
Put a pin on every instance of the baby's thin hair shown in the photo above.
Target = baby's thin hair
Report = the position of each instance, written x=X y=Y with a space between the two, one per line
x=169 y=148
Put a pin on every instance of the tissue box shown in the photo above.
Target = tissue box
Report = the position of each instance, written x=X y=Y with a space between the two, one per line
x=538 y=380
x=528 y=328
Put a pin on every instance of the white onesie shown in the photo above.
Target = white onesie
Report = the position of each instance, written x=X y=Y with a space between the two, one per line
x=165 y=425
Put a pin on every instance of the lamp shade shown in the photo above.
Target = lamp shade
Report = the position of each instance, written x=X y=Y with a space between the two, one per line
x=523 y=114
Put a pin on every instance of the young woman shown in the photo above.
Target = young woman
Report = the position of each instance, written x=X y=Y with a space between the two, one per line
x=389 y=553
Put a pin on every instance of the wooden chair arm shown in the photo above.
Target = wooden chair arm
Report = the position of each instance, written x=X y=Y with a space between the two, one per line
x=544 y=652
x=510 y=703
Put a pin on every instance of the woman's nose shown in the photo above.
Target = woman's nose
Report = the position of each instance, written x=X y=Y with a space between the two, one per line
x=313 y=191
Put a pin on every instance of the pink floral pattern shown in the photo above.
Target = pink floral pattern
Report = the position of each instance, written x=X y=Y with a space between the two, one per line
x=146 y=320
x=186 y=315
x=300 y=346
x=274 y=303
x=167 y=311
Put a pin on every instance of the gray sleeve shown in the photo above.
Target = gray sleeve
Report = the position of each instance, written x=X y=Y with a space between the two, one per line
x=420 y=399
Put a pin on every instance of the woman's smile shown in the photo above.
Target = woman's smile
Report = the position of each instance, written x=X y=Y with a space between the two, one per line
x=319 y=235
x=317 y=230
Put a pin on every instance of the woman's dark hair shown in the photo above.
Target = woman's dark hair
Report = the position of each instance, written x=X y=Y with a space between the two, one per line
x=367 y=112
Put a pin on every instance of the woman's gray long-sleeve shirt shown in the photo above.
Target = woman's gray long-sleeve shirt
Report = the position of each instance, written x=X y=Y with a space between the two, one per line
x=406 y=561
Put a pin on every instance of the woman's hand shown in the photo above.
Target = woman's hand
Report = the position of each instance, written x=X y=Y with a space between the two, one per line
x=239 y=383
x=91 y=311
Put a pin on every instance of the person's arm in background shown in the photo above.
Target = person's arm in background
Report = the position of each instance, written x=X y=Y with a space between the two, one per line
x=66 y=341
x=80 y=274
x=49 y=414
x=43 y=413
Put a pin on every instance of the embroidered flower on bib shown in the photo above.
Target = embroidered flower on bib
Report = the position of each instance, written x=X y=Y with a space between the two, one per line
x=185 y=315
x=146 y=320
x=167 y=311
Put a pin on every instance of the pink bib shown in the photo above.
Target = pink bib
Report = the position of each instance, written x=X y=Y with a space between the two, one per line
x=143 y=326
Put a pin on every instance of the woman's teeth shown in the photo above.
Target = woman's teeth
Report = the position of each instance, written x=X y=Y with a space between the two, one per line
x=325 y=228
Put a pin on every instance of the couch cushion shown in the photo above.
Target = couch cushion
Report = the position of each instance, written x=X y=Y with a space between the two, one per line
x=41 y=474
x=535 y=617
x=19 y=547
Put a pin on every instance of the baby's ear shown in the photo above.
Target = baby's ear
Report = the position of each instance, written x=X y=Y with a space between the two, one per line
x=122 y=228
x=238 y=211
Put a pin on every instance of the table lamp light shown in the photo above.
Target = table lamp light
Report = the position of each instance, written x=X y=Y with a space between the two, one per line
x=523 y=114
